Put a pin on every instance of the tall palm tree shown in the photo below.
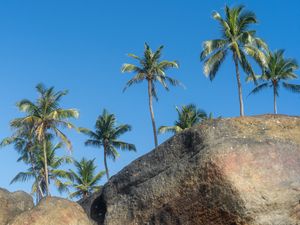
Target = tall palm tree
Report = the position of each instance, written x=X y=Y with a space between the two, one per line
x=188 y=116
x=152 y=70
x=107 y=135
x=85 y=181
x=54 y=162
x=239 y=40
x=47 y=116
x=276 y=71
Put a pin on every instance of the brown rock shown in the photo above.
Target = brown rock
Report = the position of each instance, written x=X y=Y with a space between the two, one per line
x=239 y=171
x=53 y=211
x=12 y=204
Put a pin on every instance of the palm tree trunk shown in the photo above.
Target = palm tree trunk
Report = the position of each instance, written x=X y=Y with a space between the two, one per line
x=105 y=164
x=151 y=112
x=36 y=175
x=275 y=104
x=238 y=78
x=46 y=166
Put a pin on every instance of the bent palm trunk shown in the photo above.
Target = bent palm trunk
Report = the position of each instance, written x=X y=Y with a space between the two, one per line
x=151 y=112
x=238 y=78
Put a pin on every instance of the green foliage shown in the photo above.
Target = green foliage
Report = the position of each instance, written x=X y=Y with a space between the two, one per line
x=276 y=71
x=46 y=114
x=107 y=135
x=150 y=68
x=43 y=119
x=84 y=180
x=188 y=116
x=238 y=38
x=36 y=170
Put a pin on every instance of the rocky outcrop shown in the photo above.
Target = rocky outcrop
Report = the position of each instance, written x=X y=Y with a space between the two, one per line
x=239 y=171
x=53 y=211
x=87 y=203
x=12 y=204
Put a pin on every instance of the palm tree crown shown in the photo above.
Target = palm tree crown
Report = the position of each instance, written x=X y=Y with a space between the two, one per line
x=152 y=70
x=237 y=38
x=277 y=70
x=107 y=135
x=85 y=181
x=54 y=162
x=188 y=116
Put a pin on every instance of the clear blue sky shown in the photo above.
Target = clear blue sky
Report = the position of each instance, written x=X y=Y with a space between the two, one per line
x=81 y=45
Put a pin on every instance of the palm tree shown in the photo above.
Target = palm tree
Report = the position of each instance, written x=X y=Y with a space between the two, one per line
x=276 y=71
x=107 y=135
x=188 y=116
x=84 y=181
x=237 y=38
x=47 y=116
x=151 y=69
x=24 y=143
x=57 y=175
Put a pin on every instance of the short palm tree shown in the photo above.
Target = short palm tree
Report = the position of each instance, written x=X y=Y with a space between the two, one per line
x=54 y=162
x=152 y=70
x=47 y=116
x=84 y=180
x=107 y=135
x=188 y=116
x=277 y=70
x=239 y=40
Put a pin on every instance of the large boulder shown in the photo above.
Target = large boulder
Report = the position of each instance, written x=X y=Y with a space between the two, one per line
x=53 y=211
x=239 y=171
x=12 y=204
x=87 y=203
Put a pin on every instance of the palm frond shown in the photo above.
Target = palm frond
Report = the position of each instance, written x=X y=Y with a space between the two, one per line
x=123 y=145
x=22 y=177
x=213 y=63
x=259 y=88
x=166 y=129
x=292 y=87
x=211 y=46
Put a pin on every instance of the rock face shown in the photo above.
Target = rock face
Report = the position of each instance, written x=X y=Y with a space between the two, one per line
x=12 y=204
x=87 y=203
x=53 y=211
x=239 y=171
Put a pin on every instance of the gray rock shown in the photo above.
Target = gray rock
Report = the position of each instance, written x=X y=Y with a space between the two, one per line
x=223 y=172
x=12 y=204
x=87 y=203
x=53 y=211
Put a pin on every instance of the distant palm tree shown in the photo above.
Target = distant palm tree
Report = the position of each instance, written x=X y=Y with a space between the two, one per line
x=107 y=135
x=237 y=38
x=276 y=71
x=188 y=116
x=47 y=115
x=57 y=175
x=152 y=70
x=85 y=181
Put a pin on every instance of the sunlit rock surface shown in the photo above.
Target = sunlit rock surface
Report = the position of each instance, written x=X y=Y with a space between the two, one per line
x=12 y=204
x=53 y=211
x=227 y=171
